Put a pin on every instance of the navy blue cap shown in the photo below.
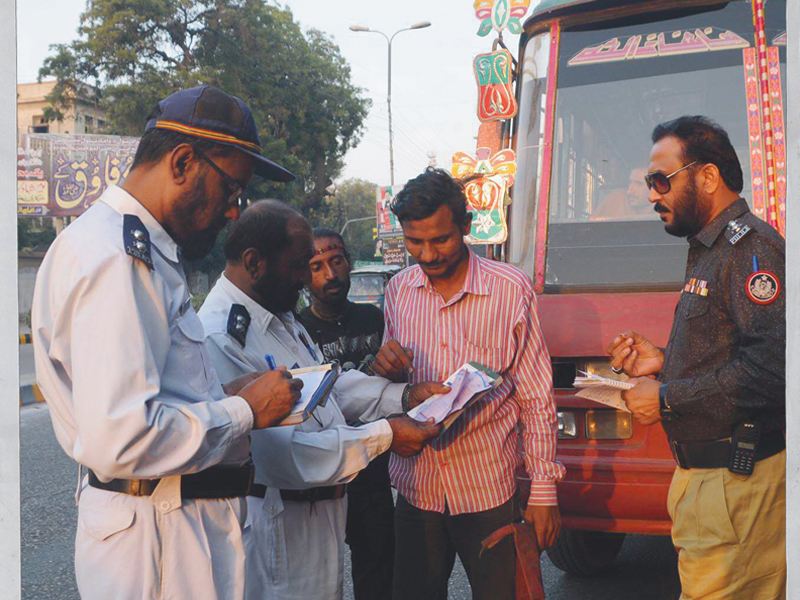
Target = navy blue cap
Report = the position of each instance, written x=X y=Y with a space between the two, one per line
x=209 y=113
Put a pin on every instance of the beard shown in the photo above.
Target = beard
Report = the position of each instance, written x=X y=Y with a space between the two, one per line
x=278 y=294
x=194 y=244
x=334 y=293
x=690 y=212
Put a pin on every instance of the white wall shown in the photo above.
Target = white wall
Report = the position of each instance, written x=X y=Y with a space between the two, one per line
x=793 y=304
x=9 y=360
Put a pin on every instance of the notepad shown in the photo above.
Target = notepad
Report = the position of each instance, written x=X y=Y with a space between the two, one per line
x=471 y=382
x=602 y=390
x=317 y=385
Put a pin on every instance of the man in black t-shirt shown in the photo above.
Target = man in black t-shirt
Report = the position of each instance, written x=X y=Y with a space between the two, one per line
x=350 y=333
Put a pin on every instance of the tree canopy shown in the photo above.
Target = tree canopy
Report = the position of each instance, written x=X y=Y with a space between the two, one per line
x=136 y=52
x=353 y=199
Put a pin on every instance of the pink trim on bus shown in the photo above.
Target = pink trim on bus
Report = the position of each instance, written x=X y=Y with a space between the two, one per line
x=779 y=133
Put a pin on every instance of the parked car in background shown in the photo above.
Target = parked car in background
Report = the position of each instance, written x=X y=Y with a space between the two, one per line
x=368 y=284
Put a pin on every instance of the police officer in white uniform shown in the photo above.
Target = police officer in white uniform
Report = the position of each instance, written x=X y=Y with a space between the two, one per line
x=121 y=361
x=295 y=544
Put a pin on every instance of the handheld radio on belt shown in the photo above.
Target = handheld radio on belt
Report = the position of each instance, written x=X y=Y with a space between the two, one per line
x=743 y=447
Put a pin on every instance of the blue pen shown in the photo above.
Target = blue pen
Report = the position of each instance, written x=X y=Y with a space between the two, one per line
x=308 y=347
x=271 y=365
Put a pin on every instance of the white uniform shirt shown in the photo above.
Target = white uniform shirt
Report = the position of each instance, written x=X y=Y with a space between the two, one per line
x=121 y=361
x=318 y=452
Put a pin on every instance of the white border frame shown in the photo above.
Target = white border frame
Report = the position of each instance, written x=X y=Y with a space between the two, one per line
x=10 y=540
x=793 y=301
x=10 y=574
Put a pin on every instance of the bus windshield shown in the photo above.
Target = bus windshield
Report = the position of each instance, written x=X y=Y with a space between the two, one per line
x=615 y=83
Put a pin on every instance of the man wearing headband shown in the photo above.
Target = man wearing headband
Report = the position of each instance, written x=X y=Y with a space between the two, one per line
x=297 y=510
x=121 y=361
x=351 y=333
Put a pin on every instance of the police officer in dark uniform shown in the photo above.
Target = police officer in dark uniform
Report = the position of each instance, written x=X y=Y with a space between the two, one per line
x=720 y=391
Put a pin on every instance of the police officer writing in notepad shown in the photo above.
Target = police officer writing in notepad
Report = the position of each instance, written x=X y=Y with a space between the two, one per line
x=120 y=358
x=296 y=513
x=720 y=390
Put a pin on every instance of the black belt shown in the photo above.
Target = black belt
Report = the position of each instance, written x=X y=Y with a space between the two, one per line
x=331 y=492
x=715 y=455
x=215 y=482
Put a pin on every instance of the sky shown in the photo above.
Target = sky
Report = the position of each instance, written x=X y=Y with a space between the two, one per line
x=434 y=96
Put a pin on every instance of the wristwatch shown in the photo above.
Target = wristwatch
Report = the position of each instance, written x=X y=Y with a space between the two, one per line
x=663 y=406
x=404 y=402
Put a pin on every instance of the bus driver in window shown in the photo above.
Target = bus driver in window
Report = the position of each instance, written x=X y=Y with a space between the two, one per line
x=624 y=204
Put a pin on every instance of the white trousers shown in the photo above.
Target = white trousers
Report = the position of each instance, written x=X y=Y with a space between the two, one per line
x=159 y=547
x=295 y=550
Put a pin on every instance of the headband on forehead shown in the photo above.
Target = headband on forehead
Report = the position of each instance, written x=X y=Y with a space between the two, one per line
x=334 y=246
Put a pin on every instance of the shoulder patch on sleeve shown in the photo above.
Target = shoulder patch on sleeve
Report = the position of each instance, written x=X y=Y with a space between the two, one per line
x=136 y=239
x=763 y=287
x=736 y=231
x=238 y=323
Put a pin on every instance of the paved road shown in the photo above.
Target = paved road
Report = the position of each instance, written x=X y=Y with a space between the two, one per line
x=645 y=569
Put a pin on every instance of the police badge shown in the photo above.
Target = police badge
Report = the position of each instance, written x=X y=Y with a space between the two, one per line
x=763 y=287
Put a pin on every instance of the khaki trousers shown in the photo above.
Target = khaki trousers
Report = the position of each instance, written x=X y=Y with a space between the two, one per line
x=730 y=531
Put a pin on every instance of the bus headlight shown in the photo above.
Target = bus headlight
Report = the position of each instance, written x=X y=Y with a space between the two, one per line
x=608 y=425
x=567 y=425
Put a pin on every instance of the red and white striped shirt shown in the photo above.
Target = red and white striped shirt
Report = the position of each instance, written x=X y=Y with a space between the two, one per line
x=492 y=320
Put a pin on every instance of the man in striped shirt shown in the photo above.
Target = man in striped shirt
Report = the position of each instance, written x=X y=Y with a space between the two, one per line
x=451 y=308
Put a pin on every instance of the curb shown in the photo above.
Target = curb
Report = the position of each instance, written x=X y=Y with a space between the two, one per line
x=30 y=394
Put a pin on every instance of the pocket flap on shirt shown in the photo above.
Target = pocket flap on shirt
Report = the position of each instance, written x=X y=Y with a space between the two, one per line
x=191 y=326
x=695 y=307
x=101 y=522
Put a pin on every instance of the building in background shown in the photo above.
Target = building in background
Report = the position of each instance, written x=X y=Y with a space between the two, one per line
x=85 y=116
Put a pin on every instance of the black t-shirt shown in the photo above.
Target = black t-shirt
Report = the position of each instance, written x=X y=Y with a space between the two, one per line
x=356 y=334
x=352 y=337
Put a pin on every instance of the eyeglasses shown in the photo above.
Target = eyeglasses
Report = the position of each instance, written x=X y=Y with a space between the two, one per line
x=234 y=185
x=660 y=182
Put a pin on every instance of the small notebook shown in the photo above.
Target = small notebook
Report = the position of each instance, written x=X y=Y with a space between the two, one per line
x=471 y=382
x=602 y=390
x=317 y=385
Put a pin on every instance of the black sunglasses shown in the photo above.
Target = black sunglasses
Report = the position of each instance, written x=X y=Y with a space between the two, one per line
x=660 y=182
x=237 y=188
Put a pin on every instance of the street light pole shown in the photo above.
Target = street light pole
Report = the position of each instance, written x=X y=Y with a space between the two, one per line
x=389 y=40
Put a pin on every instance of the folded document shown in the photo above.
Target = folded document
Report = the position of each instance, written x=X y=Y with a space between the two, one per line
x=467 y=385
x=602 y=390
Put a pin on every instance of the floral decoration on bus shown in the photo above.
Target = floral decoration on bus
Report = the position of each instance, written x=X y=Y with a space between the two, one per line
x=654 y=45
x=496 y=99
x=487 y=191
x=500 y=15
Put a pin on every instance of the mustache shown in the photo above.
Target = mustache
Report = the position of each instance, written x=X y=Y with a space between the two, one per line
x=660 y=208
x=436 y=263
x=332 y=285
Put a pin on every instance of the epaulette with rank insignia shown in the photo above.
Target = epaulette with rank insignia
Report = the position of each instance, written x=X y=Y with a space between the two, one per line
x=136 y=239
x=238 y=323
x=736 y=231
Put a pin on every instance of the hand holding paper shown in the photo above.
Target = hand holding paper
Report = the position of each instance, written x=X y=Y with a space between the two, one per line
x=467 y=385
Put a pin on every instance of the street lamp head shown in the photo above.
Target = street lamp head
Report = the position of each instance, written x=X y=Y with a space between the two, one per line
x=420 y=25
x=359 y=28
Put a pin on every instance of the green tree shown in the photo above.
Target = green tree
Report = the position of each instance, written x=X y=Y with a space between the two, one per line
x=352 y=199
x=135 y=52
